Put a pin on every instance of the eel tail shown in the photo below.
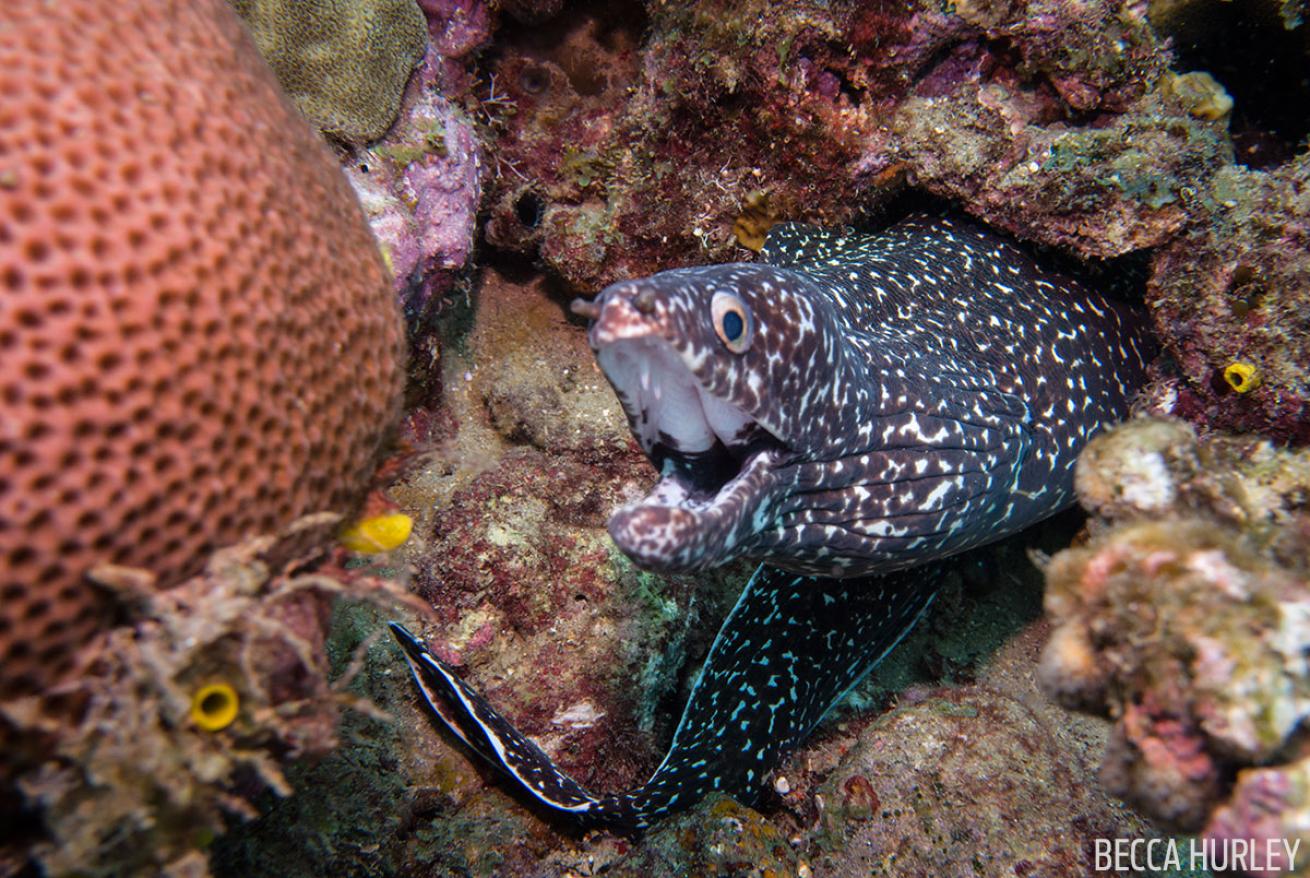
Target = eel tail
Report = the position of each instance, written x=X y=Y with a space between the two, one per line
x=789 y=650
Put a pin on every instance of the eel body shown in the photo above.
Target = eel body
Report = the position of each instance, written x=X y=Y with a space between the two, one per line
x=849 y=411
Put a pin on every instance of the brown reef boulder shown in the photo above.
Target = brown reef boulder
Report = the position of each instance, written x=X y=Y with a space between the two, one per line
x=990 y=778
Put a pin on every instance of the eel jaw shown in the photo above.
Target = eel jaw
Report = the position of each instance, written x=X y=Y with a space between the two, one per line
x=716 y=463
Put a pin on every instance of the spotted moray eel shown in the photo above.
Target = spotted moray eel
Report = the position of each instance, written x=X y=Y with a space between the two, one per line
x=849 y=411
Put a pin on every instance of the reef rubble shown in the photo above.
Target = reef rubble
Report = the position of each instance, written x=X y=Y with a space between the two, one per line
x=1186 y=618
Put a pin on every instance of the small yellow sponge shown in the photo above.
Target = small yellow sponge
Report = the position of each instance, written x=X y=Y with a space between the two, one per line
x=1242 y=377
x=214 y=707
x=379 y=533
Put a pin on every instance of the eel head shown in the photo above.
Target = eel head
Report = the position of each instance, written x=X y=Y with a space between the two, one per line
x=714 y=367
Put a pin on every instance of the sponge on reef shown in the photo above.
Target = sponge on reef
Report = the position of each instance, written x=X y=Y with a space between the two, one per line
x=198 y=339
x=344 y=62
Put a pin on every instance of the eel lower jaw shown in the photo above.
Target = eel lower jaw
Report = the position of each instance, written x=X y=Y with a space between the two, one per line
x=715 y=461
x=680 y=526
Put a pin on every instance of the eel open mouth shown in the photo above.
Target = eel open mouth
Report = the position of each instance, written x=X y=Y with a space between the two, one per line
x=717 y=464
x=698 y=442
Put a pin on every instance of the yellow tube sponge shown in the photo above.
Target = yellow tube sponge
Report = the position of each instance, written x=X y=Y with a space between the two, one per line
x=214 y=707
x=1242 y=377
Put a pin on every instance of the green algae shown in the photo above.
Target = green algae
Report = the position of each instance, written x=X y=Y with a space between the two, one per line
x=654 y=617
x=584 y=166
x=1153 y=190
x=403 y=154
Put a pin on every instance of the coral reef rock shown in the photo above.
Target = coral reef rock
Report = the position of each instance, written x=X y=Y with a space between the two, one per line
x=1186 y=616
x=190 y=711
x=538 y=379
x=421 y=183
x=988 y=778
x=198 y=334
x=344 y=62
x=631 y=138
x=420 y=187
x=530 y=597
x=1236 y=291
x=617 y=156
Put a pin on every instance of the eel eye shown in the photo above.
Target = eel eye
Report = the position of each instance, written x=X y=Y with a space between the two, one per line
x=732 y=322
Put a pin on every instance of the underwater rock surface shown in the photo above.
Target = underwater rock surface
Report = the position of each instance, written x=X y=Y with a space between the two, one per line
x=1186 y=617
x=420 y=188
x=989 y=778
x=421 y=183
x=1231 y=301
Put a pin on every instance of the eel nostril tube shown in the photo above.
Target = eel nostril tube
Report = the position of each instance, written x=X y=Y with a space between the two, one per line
x=585 y=308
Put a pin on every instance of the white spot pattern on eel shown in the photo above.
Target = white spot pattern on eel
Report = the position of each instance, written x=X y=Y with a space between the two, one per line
x=849 y=411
